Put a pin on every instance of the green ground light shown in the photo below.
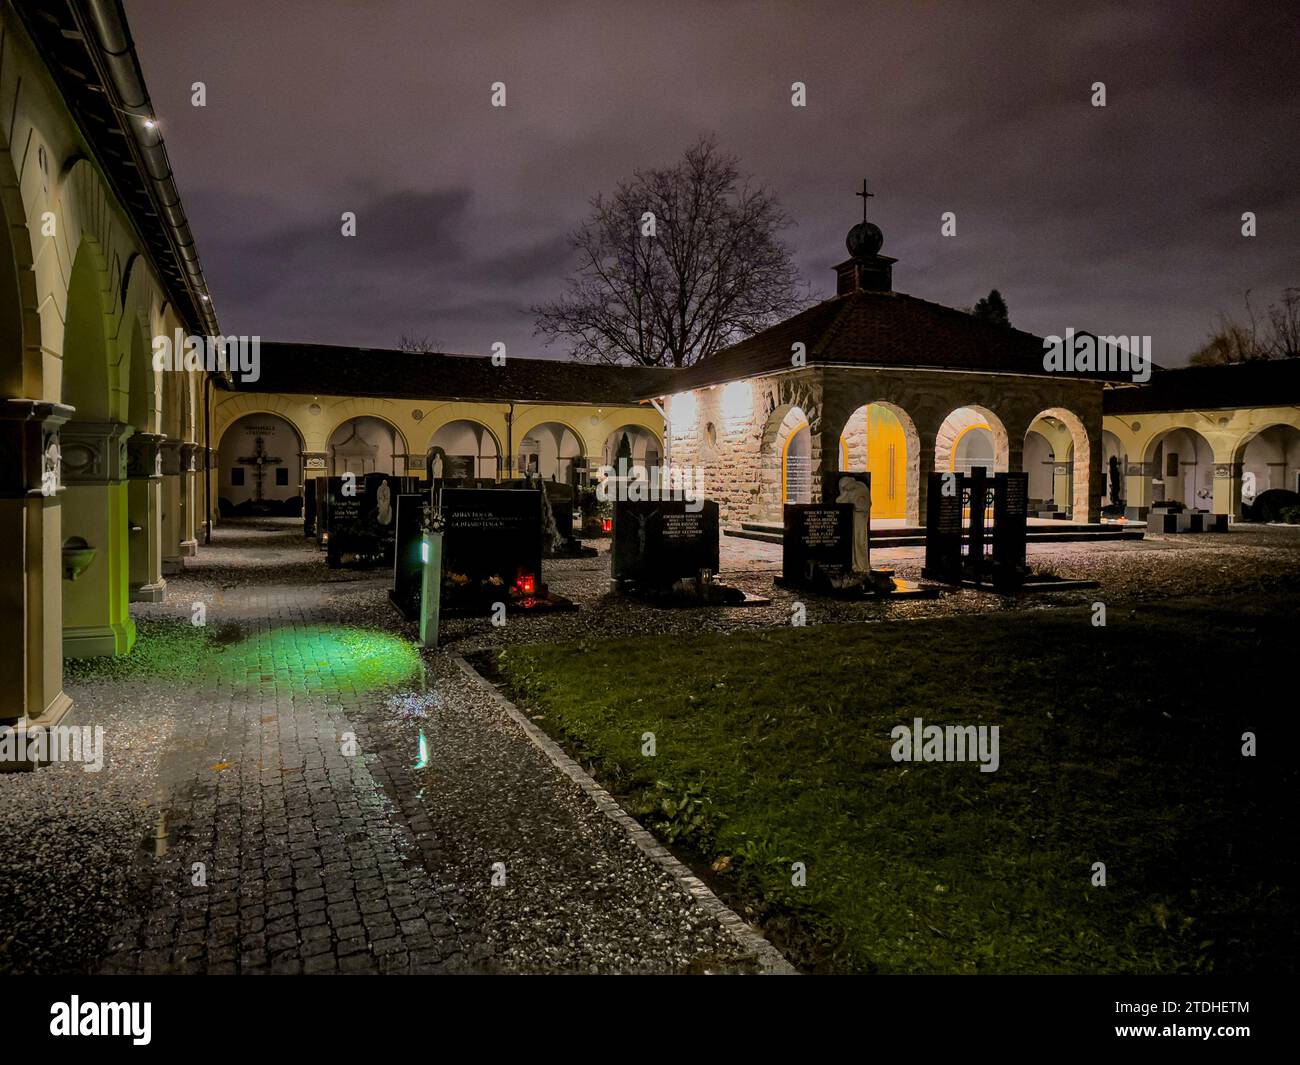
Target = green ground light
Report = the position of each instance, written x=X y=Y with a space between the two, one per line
x=305 y=658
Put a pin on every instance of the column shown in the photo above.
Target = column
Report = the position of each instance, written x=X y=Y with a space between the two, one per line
x=1062 y=488
x=917 y=503
x=1227 y=489
x=173 y=508
x=31 y=596
x=96 y=614
x=190 y=501
x=144 y=513
x=1137 y=490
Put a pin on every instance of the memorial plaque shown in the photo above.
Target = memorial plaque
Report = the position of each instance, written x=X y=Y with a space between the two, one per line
x=817 y=543
x=657 y=543
x=408 y=562
x=943 y=528
x=492 y=546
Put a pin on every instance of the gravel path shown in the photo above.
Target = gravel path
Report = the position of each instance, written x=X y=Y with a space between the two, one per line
x=319 y=861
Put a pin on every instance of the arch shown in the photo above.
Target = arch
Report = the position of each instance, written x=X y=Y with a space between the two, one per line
x=645 y=446
x=784 y=420
x=880 y=438
x=953 y=427
x=556 y=456
x=88 y=376
x=21 y=364
x=262 y=409
x=478 y=463
x=242 y=480
x=1268 y=457
x=142 y=390
x=361 y=454
x=1190 y=482
x=1073 y=490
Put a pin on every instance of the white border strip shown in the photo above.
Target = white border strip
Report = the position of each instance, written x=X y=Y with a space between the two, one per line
x=770 y=960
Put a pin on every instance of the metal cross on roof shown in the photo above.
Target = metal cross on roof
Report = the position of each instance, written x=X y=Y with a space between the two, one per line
x=865 y=196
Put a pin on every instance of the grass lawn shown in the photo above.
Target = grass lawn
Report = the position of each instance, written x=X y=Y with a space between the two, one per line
x=1119 y=744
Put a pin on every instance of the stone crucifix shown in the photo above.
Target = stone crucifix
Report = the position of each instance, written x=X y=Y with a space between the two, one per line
x=259 y=460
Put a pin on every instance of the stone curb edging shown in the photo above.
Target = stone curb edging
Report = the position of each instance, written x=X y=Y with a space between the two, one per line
x=770 y=960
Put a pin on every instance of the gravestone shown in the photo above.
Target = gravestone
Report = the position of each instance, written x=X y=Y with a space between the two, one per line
x=943 y=528
x=817 y=544
x=1010 y=520
x=659 y=543
x=408 y=563
x=492 y=547
x=854 y=489
x=363 y=523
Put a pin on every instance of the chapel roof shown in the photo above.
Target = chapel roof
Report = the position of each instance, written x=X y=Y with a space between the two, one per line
x=883 y=330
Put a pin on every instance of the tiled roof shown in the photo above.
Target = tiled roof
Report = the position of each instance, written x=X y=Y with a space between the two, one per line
x=345 y=371
x=870 y=329
x=1271 y=383
x=879 y=329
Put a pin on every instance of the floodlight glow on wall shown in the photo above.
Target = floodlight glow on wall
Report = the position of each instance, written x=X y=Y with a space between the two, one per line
x=737 y=401
x=683 y=411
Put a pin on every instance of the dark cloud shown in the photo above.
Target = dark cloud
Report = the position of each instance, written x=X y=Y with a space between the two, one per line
x=1124 y=219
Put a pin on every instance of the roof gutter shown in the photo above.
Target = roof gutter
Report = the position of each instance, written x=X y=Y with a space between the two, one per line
x=109 y=42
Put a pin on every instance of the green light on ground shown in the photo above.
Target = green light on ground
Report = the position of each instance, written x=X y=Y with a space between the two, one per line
x=422 y=762
x=355 y=658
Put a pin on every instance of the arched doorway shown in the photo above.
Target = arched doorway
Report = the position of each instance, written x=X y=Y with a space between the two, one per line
x=260 y=464
x=1269 y=460
x=879 y=438
x=1182 y=469
x=366 y=444
x=969 y=437
x=635 y=444
x=551 y=451
x=1067 y=440
x=463 y=449
x=1114 y=467
x=796 y=460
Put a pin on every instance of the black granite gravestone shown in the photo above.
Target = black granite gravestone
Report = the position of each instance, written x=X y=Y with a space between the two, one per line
x=658 y=543
x=492 y=547
x=1010 y=518
x=943 y=528
x=361 y=515
x=408 y=560
x=817 y=544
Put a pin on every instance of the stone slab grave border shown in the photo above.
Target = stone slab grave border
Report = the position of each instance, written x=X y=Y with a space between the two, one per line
x=771 y=962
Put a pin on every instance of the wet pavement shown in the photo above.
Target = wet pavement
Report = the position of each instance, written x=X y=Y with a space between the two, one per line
x=310 y=795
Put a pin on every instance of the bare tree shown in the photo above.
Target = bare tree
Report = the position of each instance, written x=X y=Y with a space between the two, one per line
x=421 y=345
x=676 y=264
x=1273 y=335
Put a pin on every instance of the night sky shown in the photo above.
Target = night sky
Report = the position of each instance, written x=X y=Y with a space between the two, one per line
x=1124 y=219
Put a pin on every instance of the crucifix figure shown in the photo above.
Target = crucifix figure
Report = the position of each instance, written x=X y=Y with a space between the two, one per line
x=259 y=460
x=865 y=197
